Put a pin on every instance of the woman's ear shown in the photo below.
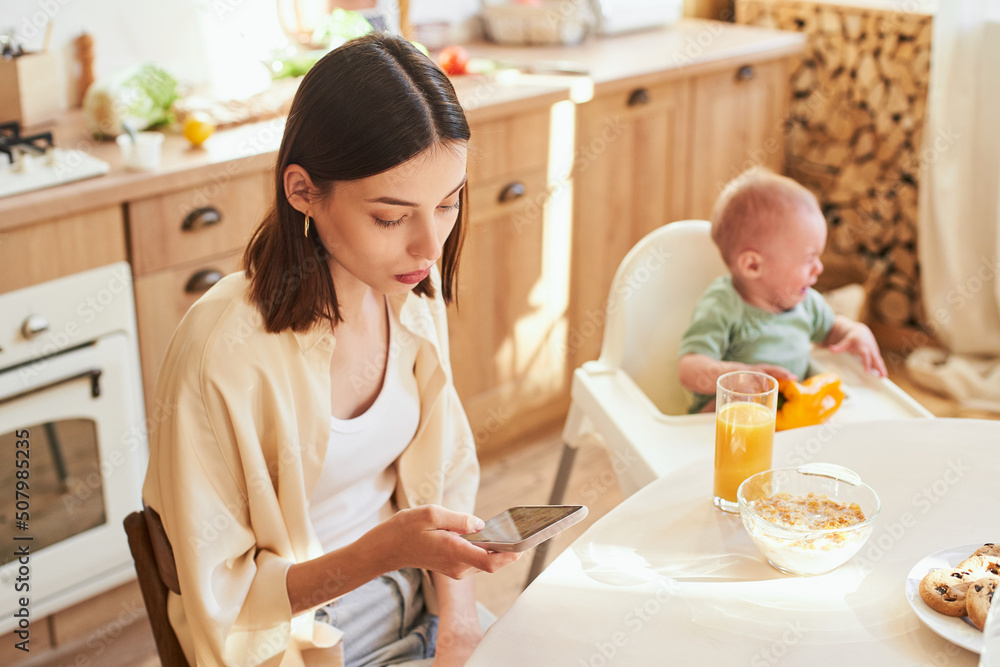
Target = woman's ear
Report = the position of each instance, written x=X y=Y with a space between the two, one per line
x=298 y=185
x=750 y=263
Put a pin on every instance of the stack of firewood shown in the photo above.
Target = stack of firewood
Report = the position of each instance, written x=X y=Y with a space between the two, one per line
x=854 y=136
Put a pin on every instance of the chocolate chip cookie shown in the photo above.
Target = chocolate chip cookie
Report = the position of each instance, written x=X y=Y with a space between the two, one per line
x=989 y=549
x=945 y=591
x=979 y=597
x=981 y=565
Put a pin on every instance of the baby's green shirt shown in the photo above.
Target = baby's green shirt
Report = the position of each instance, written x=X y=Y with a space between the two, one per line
x=726 y=328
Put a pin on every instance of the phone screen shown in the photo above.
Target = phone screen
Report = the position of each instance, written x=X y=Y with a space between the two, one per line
x=520 y=523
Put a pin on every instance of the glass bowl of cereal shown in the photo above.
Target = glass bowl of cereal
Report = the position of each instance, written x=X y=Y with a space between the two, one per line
x=808 y=520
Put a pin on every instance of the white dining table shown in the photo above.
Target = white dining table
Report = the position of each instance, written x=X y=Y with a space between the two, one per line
x=665 y=578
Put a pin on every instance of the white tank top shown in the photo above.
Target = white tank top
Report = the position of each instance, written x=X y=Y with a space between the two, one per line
x=355 y=488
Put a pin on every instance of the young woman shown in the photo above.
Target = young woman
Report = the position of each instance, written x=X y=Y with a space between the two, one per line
x=314 y=467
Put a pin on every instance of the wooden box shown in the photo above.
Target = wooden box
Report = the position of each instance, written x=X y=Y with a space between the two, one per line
x=31 y=88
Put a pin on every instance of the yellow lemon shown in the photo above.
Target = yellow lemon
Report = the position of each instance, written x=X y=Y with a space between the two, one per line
x=197 y=128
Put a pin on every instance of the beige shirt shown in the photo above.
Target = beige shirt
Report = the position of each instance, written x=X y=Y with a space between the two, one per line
x=238 y=437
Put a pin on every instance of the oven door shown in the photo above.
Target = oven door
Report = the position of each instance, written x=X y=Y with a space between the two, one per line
x=80 y=414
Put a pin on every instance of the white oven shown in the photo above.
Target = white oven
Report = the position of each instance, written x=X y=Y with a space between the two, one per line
x=71 y=397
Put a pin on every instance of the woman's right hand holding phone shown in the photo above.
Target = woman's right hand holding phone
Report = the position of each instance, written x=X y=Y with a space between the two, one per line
x=428 y=537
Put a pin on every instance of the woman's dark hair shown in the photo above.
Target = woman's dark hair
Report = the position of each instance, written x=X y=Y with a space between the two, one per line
x=364 y=108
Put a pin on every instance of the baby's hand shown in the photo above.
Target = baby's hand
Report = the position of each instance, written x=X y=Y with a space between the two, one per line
x=859 y=340
x=777 y=372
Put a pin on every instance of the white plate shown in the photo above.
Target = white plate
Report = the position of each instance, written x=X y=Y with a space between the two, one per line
x=956 y=630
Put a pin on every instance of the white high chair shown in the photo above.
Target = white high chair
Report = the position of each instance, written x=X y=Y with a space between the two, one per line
x=631 y=401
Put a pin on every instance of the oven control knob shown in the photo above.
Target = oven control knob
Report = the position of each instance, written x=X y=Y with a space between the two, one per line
x=34 y=325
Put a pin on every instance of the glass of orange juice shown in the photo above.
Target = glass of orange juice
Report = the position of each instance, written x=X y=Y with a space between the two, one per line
x=745 y=405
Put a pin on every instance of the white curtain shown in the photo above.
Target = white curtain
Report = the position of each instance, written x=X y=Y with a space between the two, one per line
x=959 y=214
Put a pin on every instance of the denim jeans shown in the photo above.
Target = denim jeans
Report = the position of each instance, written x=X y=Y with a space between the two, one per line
x=385 y=622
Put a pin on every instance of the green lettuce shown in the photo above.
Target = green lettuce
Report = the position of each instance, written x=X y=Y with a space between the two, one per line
x=143 y=96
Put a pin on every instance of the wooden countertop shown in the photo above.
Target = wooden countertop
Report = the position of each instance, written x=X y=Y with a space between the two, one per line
x=687 y=47
x=226 y=155
x=691 y=45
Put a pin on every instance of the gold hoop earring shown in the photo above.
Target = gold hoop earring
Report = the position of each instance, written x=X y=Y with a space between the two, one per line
x=307 y=225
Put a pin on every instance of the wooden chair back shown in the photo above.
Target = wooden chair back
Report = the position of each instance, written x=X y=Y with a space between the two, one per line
x=157 y=573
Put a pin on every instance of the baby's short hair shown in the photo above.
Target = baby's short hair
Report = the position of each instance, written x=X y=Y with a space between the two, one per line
x=749 y=206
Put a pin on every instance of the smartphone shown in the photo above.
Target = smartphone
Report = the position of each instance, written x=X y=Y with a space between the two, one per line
x=520 y=528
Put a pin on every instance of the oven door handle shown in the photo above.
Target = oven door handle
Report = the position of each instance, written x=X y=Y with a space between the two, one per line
x=95 y=385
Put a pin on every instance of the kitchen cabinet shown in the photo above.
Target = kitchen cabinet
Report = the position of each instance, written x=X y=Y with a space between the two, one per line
x=739 y=119
x=656 y=150
x=182 y=242
x=507 y=331
x=161 y=300
x=170 y=229
x=631 y=171
x=62 y=246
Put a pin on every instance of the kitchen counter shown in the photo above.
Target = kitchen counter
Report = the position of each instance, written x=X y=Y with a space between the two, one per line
x=690 y=44
x=242 y=149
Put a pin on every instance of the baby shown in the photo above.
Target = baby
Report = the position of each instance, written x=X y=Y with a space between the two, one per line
x=764 y=315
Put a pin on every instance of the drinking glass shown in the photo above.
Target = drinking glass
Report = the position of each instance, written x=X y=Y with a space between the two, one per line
x=745 y=405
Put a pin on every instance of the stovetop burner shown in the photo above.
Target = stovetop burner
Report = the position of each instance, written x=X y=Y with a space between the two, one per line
x=34 y=162
x=11 y=140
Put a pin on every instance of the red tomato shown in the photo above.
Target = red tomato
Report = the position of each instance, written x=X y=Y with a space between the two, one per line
x=453 y=60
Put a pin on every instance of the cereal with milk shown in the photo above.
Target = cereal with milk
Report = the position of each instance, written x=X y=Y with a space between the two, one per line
x=811 y=511
x=815 y=553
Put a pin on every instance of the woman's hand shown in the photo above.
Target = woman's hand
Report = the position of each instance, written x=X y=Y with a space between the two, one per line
x=427 y=537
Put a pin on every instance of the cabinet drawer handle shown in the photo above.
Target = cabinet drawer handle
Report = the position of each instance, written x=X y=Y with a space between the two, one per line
x=745 y=73
x=201 y=217
x=202 y=281
x=638 y=97
x=511 y=192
